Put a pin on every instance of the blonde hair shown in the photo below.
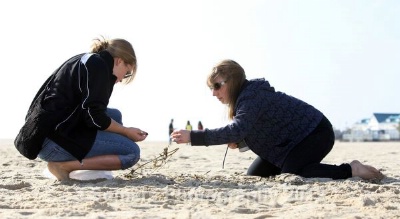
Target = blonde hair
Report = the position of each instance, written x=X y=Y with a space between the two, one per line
x=118 y=48
x=234 y=77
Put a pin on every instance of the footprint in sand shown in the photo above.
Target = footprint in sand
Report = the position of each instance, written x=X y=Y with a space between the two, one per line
x=15 y=185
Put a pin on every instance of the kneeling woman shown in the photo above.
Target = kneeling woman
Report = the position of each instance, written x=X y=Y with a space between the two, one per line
x=287 y=134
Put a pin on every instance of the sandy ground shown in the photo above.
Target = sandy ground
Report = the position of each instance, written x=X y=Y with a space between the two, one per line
x=192 y=184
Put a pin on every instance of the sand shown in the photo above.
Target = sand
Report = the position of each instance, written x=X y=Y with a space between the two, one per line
x=192 y=184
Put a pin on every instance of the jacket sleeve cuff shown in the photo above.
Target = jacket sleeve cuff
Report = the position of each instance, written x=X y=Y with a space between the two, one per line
x=106 y=124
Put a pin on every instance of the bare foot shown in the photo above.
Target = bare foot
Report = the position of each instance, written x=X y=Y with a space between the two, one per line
x=56 y=169
x=365 y=171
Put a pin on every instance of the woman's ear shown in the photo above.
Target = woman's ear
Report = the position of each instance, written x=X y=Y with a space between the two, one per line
x=117 y=61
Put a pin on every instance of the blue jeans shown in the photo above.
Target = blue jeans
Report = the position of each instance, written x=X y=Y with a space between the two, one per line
x=106 y=143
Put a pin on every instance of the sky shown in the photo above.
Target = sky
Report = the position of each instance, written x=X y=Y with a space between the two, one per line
x=341 y=56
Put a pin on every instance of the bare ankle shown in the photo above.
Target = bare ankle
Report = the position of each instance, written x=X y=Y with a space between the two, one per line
x=56 y=169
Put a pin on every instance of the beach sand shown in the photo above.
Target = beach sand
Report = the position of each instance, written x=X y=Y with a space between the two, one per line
x=192 y=184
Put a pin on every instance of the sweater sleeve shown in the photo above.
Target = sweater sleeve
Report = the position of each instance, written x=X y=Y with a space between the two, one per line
x=247 y=113
x=197 y=137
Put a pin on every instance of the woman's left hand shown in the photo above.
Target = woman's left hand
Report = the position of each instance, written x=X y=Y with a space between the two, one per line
x=136 y=134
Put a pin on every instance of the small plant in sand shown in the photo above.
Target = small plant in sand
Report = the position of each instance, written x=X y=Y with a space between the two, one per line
x=157 y=162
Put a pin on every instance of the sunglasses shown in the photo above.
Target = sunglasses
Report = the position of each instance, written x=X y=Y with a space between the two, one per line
x=127 y=75
x=217 y=85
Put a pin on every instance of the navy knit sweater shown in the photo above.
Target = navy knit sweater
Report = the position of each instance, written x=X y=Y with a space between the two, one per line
x=270 y=122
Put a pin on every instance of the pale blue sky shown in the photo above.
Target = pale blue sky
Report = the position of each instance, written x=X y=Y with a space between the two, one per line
x=340 y=56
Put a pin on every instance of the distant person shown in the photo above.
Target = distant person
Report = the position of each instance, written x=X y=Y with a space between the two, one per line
x=77 y=130
x=171 y=129
x=189 y=126
x=287 y=134
x=200 y=126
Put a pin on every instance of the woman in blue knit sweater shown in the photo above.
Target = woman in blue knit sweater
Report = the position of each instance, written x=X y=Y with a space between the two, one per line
x=287 y=134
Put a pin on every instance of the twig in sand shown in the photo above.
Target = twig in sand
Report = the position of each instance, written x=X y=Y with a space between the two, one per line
x=158 y=162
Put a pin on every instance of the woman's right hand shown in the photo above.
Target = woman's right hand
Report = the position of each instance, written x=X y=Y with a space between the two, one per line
x=180 y=136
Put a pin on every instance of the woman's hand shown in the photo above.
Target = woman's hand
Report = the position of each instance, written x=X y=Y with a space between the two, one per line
x=180 y=136
x=135 y=134
x=232 y=145
x=132 y=133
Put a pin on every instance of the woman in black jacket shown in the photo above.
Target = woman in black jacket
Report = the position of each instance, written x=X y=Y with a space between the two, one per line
x=287 y=134
x=87 y=134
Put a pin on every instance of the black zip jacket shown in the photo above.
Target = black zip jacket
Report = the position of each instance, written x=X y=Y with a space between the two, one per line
x=81 y=88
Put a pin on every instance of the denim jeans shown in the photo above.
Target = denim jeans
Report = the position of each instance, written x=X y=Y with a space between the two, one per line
x=106 y=143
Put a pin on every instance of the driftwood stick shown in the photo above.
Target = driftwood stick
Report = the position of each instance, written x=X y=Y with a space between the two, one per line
x=158 y=162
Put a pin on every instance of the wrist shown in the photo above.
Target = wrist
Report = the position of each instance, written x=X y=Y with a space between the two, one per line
x=125 y=131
